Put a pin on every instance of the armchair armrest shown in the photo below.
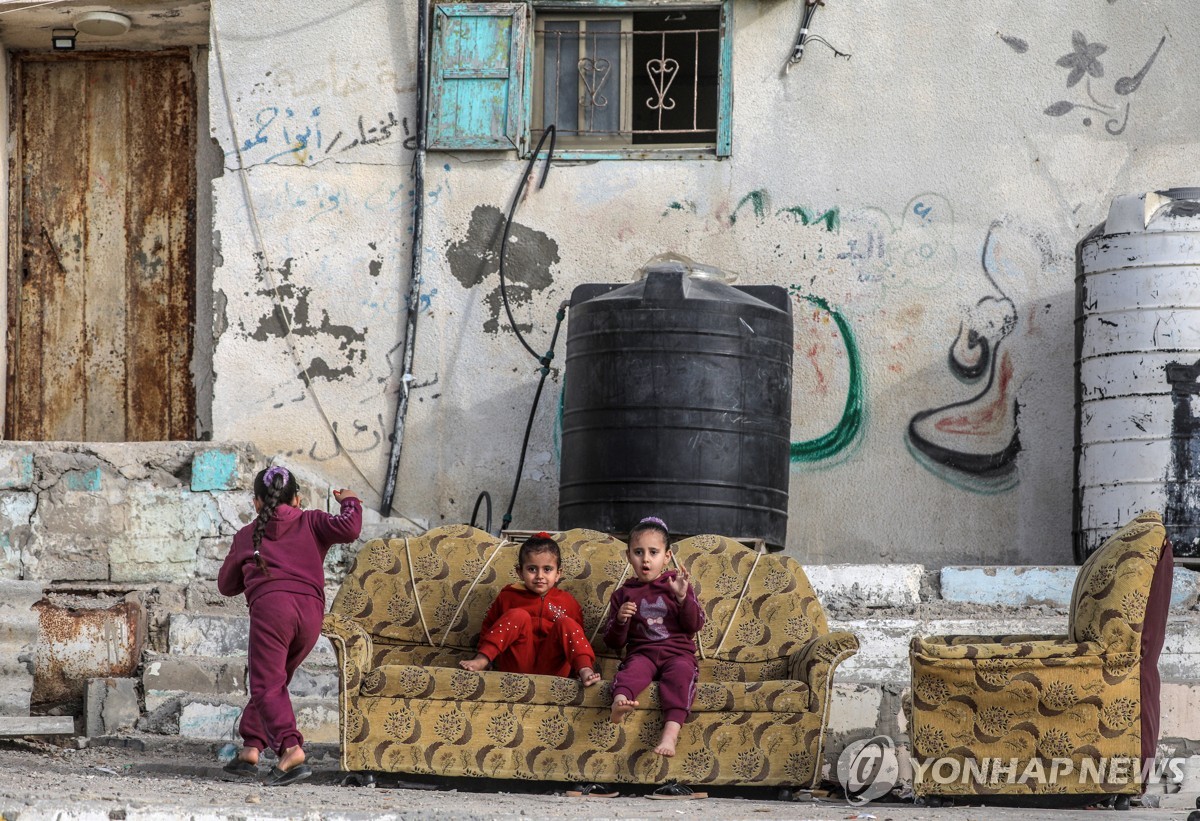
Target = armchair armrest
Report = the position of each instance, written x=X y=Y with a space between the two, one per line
x=814 y=664
x=353 y=647
x=1019 y=648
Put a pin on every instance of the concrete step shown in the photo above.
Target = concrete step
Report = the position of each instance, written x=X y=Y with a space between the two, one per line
x=192 y=634
x=18 y=642
x=216 y=717
x=166 y=678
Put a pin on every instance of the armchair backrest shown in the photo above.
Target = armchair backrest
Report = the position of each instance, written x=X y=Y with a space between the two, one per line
x=1108 y=604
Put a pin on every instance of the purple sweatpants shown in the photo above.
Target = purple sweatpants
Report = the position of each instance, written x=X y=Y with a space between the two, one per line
x=676 y=674
x=284 y=628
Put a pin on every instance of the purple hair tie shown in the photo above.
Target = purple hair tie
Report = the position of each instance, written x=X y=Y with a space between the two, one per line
x=272 y=472
x=654 y=520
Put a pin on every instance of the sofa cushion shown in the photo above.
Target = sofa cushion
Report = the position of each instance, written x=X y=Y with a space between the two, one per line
x=405 y=681
x=1108 y=604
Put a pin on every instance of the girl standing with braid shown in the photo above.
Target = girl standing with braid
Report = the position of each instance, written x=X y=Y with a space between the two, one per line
x=278 y=561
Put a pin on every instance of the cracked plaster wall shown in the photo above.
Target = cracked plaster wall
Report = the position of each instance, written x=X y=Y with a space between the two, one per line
x=928 y=192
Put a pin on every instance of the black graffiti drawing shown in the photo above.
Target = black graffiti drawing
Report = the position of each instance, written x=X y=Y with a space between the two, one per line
x=1183 y=474
x=1083 y=63
x=977 y=437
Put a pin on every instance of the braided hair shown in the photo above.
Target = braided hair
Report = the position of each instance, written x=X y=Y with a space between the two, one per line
x=273 y=486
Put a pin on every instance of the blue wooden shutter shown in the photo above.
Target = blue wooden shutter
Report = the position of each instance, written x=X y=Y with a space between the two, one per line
x=477 y=76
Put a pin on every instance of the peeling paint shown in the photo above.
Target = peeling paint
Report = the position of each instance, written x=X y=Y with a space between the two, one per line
x=476 y=257
x=292 y=312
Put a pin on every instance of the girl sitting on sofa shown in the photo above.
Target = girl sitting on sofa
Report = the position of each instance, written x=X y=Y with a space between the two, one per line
x=534 y=627
x=654 y=616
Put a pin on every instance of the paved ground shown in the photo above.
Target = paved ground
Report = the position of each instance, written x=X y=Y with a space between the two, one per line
x=153 y=779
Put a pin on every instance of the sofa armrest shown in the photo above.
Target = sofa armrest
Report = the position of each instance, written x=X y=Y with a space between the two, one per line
x=1039 y=648
x=814 y=664
x=353 y=647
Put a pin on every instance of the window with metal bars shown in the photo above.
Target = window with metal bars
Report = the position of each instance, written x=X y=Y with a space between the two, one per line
x=617 y=78
x=631 y=79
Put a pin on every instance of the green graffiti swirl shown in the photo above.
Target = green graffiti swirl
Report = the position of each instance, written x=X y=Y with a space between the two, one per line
x=847 y=428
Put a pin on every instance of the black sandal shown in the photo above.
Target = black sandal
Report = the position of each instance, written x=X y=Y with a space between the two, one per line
x=281 y=778
x=674 y=791
x=239 y=770
x=592 y=790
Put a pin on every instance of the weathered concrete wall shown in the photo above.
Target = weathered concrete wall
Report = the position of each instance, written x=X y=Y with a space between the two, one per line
x=931 y=189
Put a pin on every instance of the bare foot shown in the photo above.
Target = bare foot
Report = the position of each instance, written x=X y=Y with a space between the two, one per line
x=666 y=744
x=621 y=707
x=480 y=662
x=588 y=676
x=294 y=757
x=249 y=755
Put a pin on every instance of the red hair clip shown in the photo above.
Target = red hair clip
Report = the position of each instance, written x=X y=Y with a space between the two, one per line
x=541 y=534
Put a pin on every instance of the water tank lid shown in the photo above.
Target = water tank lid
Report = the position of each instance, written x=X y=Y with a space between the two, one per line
x=1172 y=209
x=689 y=288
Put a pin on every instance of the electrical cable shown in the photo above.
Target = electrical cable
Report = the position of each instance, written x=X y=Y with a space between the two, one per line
x=545 y=371
x=284 y=318
x=483 y=496
x=549 y=132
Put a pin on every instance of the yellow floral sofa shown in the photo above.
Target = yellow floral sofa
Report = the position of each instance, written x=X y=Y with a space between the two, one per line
x=1050 y=715
x=410 y=609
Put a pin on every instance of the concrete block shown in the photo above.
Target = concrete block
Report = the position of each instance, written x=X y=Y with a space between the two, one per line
x=210 y=555
x=16 y=470
x=72 y=531
x=236 y=511
x=195 y=674
x=165 y=525
x=16 y=516
x=200 y=719
x=1050 y=585
x=316 y=718
x=867 y=585
x=215 y=470
x=883 y=653
x=855 y=708
x=209 y=635
x=1010 y=586
x=111 y=706
x=1180 y=719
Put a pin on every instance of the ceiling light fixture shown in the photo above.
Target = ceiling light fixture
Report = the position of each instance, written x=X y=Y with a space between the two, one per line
x=102 y=23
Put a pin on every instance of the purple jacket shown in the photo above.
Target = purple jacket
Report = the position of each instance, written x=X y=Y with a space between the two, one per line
x=661 y=621
x=294 y=546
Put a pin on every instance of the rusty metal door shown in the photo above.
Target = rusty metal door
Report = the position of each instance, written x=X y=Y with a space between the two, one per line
x=101 y=248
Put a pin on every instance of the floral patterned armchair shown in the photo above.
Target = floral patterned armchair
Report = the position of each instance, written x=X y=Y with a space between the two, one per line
x=1070 y=714
x=410 y=609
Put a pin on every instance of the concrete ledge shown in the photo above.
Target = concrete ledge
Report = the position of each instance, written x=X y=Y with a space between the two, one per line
x=217 y=718
x=213 y=635
x=1051 y=585
x=867 y=585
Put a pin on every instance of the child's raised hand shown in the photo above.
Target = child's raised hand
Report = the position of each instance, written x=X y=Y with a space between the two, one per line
x=679 y=584
x=626 y=612
x=344 y=493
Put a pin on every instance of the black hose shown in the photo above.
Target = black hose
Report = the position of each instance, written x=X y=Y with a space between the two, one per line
x=475 y=512
x=545 y=370
x=512 y=209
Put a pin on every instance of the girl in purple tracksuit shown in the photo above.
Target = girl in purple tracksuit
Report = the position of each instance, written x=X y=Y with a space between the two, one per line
x=278 y=561
x=654 y=616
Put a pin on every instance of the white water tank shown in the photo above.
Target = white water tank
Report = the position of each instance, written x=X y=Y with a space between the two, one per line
x=1137 y=344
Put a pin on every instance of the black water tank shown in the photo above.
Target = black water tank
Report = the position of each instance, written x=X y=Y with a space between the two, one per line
x=677 y=403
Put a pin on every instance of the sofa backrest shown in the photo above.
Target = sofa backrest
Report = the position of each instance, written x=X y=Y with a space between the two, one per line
x=1108 y=604
x=436 y=588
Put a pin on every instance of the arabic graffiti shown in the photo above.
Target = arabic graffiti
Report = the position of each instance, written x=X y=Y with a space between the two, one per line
x=1083 y=63
x=847 y=428
x=916 y=250
x=973 y=443
x=760 y=203
x=286 y=133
